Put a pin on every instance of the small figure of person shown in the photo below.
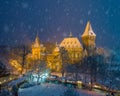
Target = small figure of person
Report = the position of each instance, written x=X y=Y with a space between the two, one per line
x=0 y=88
x=15 y=90
x=112 y=94
x=108 y=94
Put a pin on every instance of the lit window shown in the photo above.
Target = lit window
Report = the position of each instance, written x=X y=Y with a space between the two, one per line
x=76 y=55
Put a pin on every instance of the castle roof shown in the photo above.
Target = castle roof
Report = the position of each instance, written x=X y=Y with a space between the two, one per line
x=71 y=42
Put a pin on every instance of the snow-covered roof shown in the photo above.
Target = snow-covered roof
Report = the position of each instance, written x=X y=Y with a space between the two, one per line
x=88 y=30
x=71 y=42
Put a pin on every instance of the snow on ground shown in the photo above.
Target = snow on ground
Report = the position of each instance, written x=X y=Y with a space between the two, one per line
x=17 y=81
x=43 y=90
x=48 y=89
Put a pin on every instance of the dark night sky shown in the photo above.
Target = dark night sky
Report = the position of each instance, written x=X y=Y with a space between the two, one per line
x=20 y=20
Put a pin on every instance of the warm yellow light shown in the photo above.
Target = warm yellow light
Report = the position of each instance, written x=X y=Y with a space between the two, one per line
x=10 y=78
x=15 y=64
x=37 y=69
x=96 y=86
x=89 y=83
x=4 y=80
x=79 y=82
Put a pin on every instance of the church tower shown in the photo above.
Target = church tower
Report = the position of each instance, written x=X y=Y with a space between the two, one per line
x=36 y=49
x=88 y=39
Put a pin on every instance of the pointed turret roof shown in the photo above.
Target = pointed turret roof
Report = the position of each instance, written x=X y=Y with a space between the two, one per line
x=57 y=48
x=37 y=41
x=71 y=35
x=88 y=30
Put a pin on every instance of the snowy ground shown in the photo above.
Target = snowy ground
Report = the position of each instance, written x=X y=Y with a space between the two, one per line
x=52 y=90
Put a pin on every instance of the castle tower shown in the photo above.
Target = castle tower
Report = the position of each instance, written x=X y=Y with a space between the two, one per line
x=36 y=49
x=88 y=39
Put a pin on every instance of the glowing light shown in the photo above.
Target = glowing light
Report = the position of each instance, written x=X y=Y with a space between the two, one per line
x=40 y=77
x=89 y=83
x=37 y=69
x=4 y=80
x=15 y=64
x=10 y=78
x=79 y=82
x=96 y=86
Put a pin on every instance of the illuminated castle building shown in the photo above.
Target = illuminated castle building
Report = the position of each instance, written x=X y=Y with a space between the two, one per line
x=54 y=60
x=88 y=39
x=69 y=51
x=73 y=47
x=75 y=50
x=37 y=49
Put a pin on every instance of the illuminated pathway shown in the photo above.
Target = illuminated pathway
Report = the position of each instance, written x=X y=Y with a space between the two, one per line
x=7 y=78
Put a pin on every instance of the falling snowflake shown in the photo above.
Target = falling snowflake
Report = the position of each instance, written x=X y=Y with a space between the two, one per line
x=13 y=30
x=29 y=26
x=58 y=1
x=64 y=34
x=89 y=12
x=48 y=39
x=67 y=14
x=6 y=28
x=46 y=10
x=54 y=36
x=81 y=22
x=25 y=5
x=58 y=29
x=49 y=18
x=96 y=10
x=41 y=29
x=16 y=41
x=6 y=2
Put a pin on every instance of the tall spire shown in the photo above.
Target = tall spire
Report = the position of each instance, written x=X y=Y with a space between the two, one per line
x=56 y=44
x=71 y=35
x=37 y=41
x=37 y=34
x=88 y=30
x=57 y=48
x=37 y=38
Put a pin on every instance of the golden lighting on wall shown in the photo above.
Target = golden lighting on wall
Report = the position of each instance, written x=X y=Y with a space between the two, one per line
x=15 y=64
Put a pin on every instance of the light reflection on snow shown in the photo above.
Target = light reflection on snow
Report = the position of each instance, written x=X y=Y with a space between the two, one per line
x=39 y=77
